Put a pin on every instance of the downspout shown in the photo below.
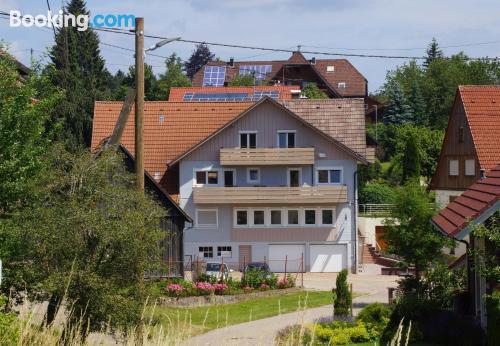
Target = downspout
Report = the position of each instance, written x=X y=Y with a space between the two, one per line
x=356 y=221
x=470 y=278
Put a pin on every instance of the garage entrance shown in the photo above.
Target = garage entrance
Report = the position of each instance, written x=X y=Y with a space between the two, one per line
x=293 y=254
x=331 y=258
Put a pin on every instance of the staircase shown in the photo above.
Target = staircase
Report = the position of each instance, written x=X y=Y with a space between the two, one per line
x=369 y=256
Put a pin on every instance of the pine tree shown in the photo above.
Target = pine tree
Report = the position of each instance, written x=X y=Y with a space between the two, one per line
x=78 y=68
x=433 y=52
x=173 y=77
x=398 y=111
x=411 y=159
x=199 y=58
x=152 y=91
x=343 y=297
x=417 y=104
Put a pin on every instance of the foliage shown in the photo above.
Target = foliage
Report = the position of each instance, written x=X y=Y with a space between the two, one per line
x=200 y=57
x=9 y=330
x=77 y=67
x=152 y=90
x=342 y=304
x=411 y=160
x=173 y=77
x=369 y=173
x=23 y=136
x=442 y=284
x=409 y=233
x=489 y=260
x=343 y=333
x=88 y=237
x=286 y=282
x=376 y=193
x=375 y=316
x=433 y=52
x=398 y=110
x=493 y=306
x=255 y=278
x=245 y=80
x=311 y=91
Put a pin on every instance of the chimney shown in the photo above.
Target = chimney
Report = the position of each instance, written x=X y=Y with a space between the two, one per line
x=482 y=173
x=313 y=60
x=231 y=62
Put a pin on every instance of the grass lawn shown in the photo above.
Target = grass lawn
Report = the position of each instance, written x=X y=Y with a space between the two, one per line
x=206 y=318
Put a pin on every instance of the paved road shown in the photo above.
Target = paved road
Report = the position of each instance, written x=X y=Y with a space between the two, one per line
x=262 y=332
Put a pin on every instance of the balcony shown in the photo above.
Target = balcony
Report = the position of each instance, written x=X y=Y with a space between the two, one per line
x=271 y=195
x=266 y=156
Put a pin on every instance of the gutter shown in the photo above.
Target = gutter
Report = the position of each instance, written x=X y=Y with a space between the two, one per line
x=356 y=221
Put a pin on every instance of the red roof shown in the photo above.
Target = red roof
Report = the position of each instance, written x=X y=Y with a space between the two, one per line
x=482 y=109
x=285 y=92
x=475 y=201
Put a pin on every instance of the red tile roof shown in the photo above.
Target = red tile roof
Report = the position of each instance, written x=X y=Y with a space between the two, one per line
x=482 y=109
x=177 y=94
x=479 y=198
x=344 y=71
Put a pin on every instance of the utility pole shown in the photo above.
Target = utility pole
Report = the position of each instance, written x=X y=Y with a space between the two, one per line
x=139 y=103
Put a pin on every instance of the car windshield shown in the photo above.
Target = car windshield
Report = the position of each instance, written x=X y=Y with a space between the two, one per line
x=256 y=266
x=213 y=267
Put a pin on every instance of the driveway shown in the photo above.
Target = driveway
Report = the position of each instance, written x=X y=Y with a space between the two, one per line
x=262 y=332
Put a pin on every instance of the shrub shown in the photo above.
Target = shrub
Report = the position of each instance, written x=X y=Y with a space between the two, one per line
x=220 y=288
x=174 y=290
x=342 y=305
x=204 y=288
x=493 y=332
x=253 y=278
x=9 y=330
x=286 y=282
x=342 y=333
x=272 y=281
x=376 y=194
x=375 y=316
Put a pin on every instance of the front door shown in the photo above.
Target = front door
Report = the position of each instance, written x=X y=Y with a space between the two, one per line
x=245 y=255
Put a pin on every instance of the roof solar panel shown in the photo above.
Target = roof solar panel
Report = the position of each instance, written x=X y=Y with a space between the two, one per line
x=214 y=75
x=260 y=71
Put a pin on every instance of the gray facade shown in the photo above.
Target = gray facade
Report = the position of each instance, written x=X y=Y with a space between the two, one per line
x=305 y=242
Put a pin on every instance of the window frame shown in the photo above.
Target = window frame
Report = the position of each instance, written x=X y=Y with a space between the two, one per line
x=249 y=181
x=207 y=226
x=206 y=171
x=235 y=217
x=315 y=210
x=219 y=247
x=334 y=217
x=287 y=144
x=206 y=248
x=289 y=169
x=316 y=175
x=224 y=176
x=473 y=173
x=299 y=223
x=450 y=168
x=271 y=224
x=252 y=219
x=342 y=85
x=247 y=133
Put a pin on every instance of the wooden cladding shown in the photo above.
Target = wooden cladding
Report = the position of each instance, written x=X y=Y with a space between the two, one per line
x=266 y=156
x=270 y=195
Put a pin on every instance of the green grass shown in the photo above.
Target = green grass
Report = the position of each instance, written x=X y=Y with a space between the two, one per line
x=202 y=319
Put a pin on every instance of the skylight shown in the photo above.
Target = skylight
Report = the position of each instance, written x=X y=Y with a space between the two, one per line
x=214 y=76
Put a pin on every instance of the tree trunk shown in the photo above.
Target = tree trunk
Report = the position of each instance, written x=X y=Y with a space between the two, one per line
x=52 y=308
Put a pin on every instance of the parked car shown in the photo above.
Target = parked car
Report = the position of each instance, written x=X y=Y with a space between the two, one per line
x=261 y=267
x=217 y=270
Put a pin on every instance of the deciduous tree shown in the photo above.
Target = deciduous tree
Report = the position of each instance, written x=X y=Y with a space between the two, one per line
x=199 y=58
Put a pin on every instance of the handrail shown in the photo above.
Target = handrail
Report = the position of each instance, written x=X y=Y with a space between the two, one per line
x=375 y=209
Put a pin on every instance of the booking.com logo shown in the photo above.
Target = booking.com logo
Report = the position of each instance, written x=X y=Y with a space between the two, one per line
x=82 y=22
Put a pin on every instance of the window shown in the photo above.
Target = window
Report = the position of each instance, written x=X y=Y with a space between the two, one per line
x=275 y=217
x=248 y=139
x=294 y=177
x=310 y=217
x=206 y=251
x=224 y=251
x=286 y=139
x=454 y=167
x=253 y=175
x=330 y=68
x=470 y=167
x=293 y=217
x=229 y=177
x=327 y=217
x=241 y=217
x=329 y=176
x=258 y=217
x=207 y=218
x=207 y=177
x=461 y=134
x=342 y=85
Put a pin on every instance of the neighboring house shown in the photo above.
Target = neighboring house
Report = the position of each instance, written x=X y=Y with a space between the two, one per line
x=471 y=145
x=474 y=206
x=336 y=77
x=263 y=180
x=241 y=93
x=23 y=70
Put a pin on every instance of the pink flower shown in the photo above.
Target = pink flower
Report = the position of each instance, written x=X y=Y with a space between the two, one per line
x=220 y=287
x=175 y=289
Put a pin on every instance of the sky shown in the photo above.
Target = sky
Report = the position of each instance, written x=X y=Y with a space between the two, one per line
x=380 y=27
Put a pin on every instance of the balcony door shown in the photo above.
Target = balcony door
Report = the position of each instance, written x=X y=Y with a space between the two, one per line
x=294 y=177
x=229 y=178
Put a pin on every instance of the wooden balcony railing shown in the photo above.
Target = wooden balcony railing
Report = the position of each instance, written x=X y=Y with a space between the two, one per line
x=266 y=156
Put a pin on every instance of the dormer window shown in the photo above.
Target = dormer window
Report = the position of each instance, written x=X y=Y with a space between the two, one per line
x=342 y=85
x=248 y=139
x=286 y=139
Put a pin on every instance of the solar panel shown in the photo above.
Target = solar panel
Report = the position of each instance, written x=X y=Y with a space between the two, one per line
x=214 y=75
x=274 y=94
x=189 y=97
x=260 y=71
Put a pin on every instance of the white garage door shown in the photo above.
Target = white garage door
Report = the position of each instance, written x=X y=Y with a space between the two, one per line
x=292 y=254
x=328 y=258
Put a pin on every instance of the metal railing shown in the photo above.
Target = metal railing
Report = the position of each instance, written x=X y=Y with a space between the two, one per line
x=375 y=209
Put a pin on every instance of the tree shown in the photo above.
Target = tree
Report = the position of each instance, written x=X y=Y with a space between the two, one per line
x=78 y=68
x=80 y=240
x=398 y=111
x=489 y=260
x=411 y=159
x=417 y=104
x=242 y=81
x=409 y=234
x=433 y=52
x=173 y=77
x=199 y=58
x=152 y=91
x=311 y=91
x=343 y=298
x=24 y=109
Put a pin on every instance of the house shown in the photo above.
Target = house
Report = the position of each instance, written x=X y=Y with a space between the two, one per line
x=336 y=77
x=471 y=146
x=474 y=206
x=270 y=180
x=239 y=93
